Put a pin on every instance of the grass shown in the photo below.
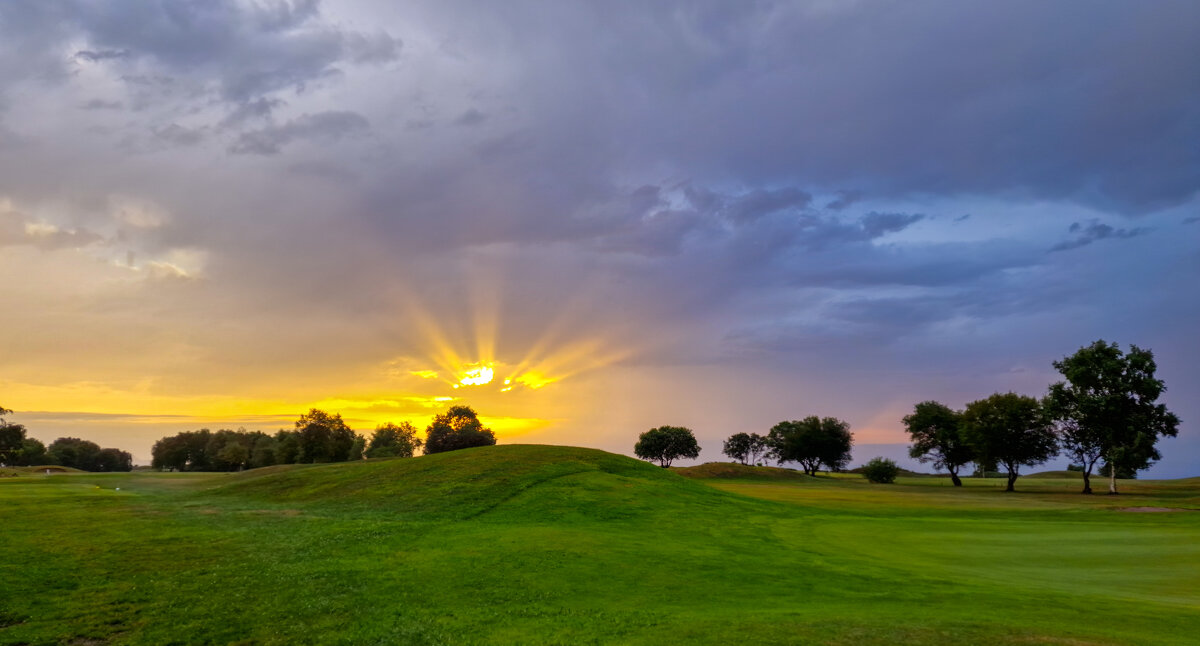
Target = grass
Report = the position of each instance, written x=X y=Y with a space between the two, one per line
x=557 y=545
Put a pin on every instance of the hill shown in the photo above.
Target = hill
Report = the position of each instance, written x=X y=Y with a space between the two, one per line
x=551 y=481
x=734 y=470
x=560 y=545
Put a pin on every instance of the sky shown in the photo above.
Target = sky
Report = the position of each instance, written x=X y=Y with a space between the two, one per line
x=720 y=215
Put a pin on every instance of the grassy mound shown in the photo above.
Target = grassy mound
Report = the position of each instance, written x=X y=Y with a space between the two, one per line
x=1065 y=475
x=524 y=480
x=739 y=471
x=52 y=469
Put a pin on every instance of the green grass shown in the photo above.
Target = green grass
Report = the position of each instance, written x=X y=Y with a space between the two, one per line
x=556 y=545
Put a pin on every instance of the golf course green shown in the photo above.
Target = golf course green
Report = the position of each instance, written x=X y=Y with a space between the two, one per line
x=519 y=544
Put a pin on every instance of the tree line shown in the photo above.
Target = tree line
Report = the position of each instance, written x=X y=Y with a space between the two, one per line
x=810 y=442
x=317 y=436
x=1105 y=410
x=17 y=449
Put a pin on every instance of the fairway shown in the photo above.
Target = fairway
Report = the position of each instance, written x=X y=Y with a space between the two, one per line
x=557 y=545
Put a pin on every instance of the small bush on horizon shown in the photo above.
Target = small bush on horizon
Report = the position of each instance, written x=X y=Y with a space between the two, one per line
x=881 y=471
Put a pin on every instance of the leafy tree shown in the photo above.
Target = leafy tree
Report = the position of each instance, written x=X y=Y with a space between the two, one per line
x=1106 y=409
x=812 y=441
x=235 y=455
x=287 y=447
x=1011 y=430
x=74 y=452
x=12 y=437
x=666 y=444
x=323 y=437
x=33 y=453
x=881 y=471
x=457 y=428
x=113 y=460
x=358 y=447
x=186 y=451
x=392 y=440
x=937 y=437
x=745 y=447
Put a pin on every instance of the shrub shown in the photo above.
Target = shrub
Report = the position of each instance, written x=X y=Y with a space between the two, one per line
x=881 y=471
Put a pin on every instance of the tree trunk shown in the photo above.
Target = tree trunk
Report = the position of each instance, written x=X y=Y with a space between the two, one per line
x=1087 y=481
x=1112 y=478
x=954 y=478
x=1012 y=478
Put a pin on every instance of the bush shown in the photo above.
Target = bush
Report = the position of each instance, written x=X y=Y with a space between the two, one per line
x=881 y=471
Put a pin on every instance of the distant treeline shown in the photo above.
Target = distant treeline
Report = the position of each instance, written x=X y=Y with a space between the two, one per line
x=318 y=436
x=18 y=450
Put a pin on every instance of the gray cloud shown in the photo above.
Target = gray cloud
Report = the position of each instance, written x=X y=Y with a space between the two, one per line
x=327 y=126
x=1094 y=231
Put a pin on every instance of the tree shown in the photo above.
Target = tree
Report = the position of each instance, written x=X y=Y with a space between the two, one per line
x=186 y=451
x=113 y=460
x=1011 y=430
x=937 y=437
x=812 y=441
x=666 y=444
x=33 y=453
x=73 y=452
x=457 y=428
x=12 y=437
x=1106 y=409
x=881 y=471
x=235 y=455
x=323 y=437
x=392 y=441
x=745 y=447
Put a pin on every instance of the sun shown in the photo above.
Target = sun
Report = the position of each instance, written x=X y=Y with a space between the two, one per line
x=477 y=374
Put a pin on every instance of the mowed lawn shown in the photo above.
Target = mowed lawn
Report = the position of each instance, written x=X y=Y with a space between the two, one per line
x=555 y=545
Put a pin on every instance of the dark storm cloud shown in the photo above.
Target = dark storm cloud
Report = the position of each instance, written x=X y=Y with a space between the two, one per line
x=948 y=102
x=326 y=126
x=1091 y=232
x=248 y=49
x=251 y=49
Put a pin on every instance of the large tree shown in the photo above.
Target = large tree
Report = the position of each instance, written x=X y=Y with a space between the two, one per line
x=323 y=437
x=665 y=444
x=811 y=442
x=394 y=440
x=936 y=434
x=457 y=428
x=1107 y=408
x=12 y=438
x=1010 y=430
x=745 y=447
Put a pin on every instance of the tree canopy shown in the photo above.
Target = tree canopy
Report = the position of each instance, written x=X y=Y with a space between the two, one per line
x=936 y=433
x=87 y=455
x=665 y=444
x=1106 y=408
x=457 y=428
x=745 y=447
x=323 y=437
x=394 y=440
x=12 y=437
x=1011 y=430
x=812 y=441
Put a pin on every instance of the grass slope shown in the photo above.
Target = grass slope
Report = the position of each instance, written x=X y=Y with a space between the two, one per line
x=557 y=545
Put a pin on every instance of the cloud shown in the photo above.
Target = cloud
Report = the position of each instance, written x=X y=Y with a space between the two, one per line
x=471 y=117
x=18 y=229
x=1094 y=231
x=327 y=126
x=102 y=55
